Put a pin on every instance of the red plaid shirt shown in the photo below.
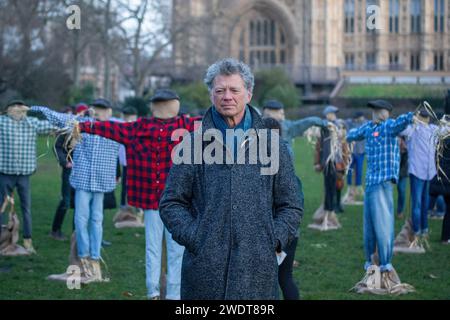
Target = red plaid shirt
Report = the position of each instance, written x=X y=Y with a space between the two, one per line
x=148 y=147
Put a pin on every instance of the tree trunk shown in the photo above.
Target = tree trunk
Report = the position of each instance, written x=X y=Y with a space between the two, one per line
x=107 y=53
x=76 y=58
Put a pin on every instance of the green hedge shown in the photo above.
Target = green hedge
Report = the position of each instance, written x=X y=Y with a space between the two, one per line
x=400 y=91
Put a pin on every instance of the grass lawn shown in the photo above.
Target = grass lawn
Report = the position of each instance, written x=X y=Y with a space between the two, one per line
x=410 y=91
x=330 y=263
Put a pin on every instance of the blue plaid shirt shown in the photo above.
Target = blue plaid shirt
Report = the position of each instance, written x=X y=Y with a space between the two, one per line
x=382 y=149
x=94 y=159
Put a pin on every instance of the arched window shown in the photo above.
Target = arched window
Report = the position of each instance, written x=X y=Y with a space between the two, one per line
x=263 y=42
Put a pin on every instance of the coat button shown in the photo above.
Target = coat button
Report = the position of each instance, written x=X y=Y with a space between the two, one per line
x=234 y=207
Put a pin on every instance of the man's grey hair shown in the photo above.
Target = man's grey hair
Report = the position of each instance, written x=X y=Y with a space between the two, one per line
x=228 y=67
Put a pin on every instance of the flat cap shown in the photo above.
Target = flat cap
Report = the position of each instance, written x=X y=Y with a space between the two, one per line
x=424 y=113
x=164 y=95
x=358 y=114
x=128 y=110
x=380 y=104
x=273 y=104
x=101 y=103
x=330 y=109
x=14 y=102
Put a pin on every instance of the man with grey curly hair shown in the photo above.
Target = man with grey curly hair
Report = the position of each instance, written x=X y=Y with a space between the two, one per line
x=233 y=220
x=230 y=84
x=230 y=66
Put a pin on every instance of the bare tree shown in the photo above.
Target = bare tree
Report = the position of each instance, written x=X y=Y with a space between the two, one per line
x=24 y=27
x=148 y=33
x=81 y=39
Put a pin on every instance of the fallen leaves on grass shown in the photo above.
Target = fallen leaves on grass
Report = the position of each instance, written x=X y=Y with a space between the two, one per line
x=127 y=294
x=319 y=245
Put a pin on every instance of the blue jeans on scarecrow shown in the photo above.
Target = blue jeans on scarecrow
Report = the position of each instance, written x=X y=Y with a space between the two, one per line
x=88 y=223
x=401 y=191
x=379 y=224
x=420 y=197
x=154 y=232
x=356 y=168
x=439 y=203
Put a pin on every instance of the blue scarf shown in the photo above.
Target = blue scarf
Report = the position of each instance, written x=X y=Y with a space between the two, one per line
x=220 y=123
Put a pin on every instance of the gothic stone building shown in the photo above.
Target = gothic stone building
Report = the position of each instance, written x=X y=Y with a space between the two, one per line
x=315 y=40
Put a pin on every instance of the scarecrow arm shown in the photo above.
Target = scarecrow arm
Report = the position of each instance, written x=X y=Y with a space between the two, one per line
x=400 y=124
x=357 y=134
x=121 y=132
x=298 y=127
x=60 y=120
x=44 y=127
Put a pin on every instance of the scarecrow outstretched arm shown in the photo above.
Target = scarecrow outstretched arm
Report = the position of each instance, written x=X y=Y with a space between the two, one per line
x=44 y=127
x=357 y=134
x=121 y=132
x=298 y=127
x=400 y=124
x=58 y=119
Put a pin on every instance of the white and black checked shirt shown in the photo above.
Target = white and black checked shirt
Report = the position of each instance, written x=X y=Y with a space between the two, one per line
x=94 y=158
x=18 y=144
x=383 y=155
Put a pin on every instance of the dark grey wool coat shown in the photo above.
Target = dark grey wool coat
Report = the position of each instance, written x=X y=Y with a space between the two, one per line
x=230 y=218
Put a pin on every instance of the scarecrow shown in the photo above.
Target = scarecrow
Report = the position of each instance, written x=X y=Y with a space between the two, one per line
x=421 y=144
x=148 y=143
x=18 y=158
x=332 y=158
x=93 y=174
x=383 y=159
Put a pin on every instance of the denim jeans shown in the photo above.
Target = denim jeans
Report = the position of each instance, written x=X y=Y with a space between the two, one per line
x=379 y=224
x=22 y=183
x=401 y=191
x=154 y=233
x=441 y=207
x=420 y=193
x=357 y=168
x=88 y=223
x=439 y=203
x=64 y=203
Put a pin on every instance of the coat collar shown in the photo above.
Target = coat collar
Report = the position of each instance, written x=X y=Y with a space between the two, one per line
x=257 y=124
x=208 y=123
